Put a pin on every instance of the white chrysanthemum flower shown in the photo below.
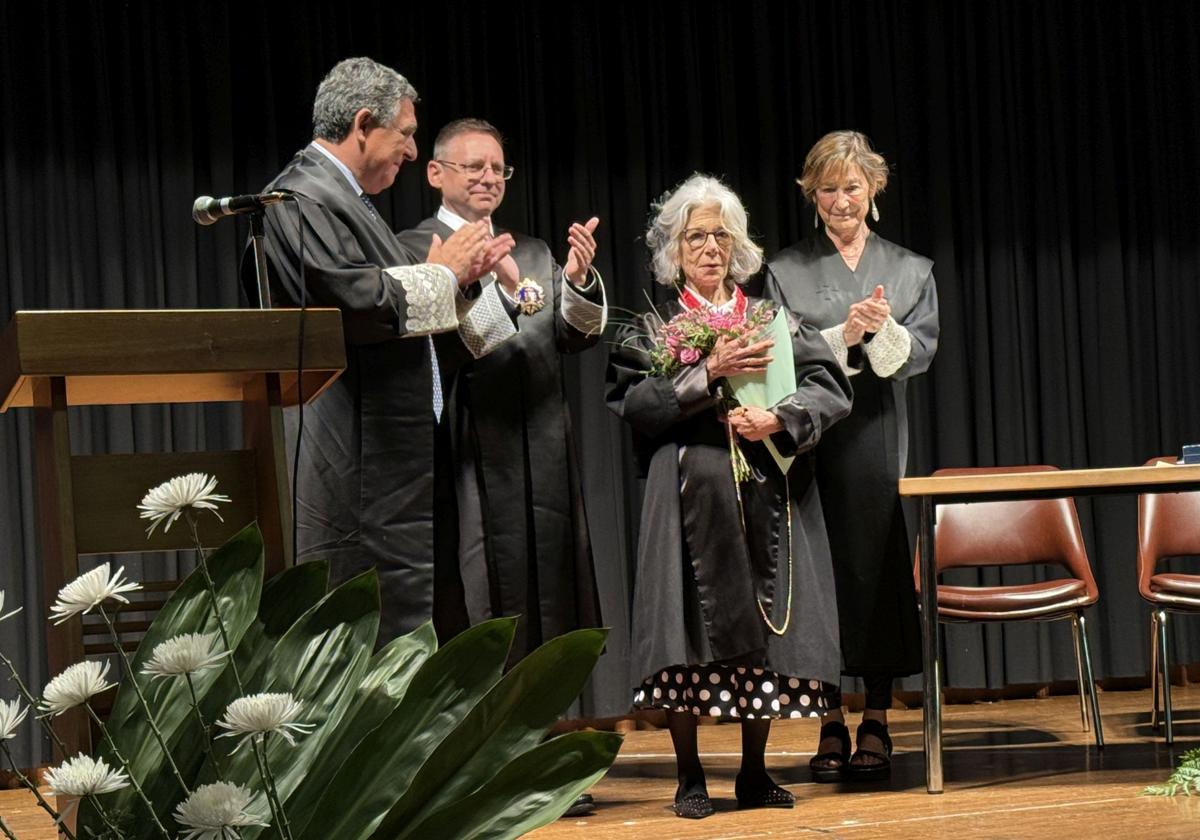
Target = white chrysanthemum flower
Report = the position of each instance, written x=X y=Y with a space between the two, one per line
x=215 y=812
x=2 y=613
x=169 y=500
x=84 y=776
x=11 y=715
x=75 y=686
x=189 y=653
x=261 y=714
x=89 y=590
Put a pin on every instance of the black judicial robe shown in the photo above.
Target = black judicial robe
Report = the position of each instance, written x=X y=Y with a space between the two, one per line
x=523 y=536
x=365 y=484
x=861 y=460
x=697 y=578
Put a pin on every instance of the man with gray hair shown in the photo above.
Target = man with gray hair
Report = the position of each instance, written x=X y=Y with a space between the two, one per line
x=373 y=486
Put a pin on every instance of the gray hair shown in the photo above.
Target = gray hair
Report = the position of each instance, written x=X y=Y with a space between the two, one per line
x=354 y=84
x=671 y=214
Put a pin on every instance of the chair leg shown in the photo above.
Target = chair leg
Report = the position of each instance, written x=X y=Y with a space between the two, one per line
x=1154 y=631
x=1164 y=665
x=1083 y=715
x=1091 y=680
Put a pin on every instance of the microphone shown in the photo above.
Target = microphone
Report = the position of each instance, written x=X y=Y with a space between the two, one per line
x=207 y=209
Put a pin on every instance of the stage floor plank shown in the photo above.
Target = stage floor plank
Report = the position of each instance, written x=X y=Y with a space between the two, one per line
x=1014 y=769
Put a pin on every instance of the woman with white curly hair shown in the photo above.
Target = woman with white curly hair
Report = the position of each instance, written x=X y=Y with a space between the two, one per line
x=733 y=604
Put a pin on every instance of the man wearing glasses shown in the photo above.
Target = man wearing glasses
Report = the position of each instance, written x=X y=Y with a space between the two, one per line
x=523 y=538
x=373 y=475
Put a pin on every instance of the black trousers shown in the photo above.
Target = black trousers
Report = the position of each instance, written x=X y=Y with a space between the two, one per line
x=879 y=694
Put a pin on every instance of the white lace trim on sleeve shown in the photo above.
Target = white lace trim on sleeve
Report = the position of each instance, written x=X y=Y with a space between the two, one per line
x=429 y=295
x=836 y=340
x=582 y=314
x=889 y=349
x=484 y=322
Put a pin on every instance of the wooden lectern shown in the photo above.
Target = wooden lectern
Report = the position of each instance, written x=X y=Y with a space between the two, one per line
x=87 y=504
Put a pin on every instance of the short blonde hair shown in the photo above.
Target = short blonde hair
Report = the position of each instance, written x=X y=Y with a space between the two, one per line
x=833 y=153
x=671 y=213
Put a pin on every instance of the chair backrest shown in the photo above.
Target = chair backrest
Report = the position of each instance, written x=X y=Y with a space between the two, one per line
x=1035 y=531
x=1168 y=526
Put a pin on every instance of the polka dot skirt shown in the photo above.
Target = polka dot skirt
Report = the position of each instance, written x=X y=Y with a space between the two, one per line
x=731 y=691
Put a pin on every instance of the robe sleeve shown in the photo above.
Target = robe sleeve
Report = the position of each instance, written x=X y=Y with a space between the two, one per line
x=905 y=348
x=376 y=301
x=849 y=358
x=652 y=404
x=822 y=397
x=582 y=313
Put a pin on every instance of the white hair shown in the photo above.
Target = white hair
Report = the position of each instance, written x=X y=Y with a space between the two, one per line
x=671 y=213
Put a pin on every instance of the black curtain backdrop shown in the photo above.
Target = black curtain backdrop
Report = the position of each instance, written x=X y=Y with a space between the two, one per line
x=1043 y=155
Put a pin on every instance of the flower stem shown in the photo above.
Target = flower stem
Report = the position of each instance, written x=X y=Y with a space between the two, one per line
x=7 y=831
x=33 y=705
x=264 y=768
x=128 y=770
x=208 y=745
x=41 y=800
x=105 y=817
x=137 y=688
x=212 y=596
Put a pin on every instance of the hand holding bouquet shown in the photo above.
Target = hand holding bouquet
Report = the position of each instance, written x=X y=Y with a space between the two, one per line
x=694 y=334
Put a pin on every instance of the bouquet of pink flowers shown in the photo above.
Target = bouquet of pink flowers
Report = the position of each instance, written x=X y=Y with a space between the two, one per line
x=691 y=335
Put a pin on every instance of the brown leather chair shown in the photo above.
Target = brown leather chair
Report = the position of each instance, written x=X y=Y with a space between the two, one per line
x=1168 y=526
x=1018 y=533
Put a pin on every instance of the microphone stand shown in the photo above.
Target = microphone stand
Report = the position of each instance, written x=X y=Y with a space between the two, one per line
x=260 y=259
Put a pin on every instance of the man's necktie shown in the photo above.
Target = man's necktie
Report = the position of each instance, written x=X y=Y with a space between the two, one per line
x=438 y=399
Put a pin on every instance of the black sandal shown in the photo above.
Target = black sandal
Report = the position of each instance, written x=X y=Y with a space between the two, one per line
x=827 y=766
x=881 y=767
x=768 y=795
x=694 y=806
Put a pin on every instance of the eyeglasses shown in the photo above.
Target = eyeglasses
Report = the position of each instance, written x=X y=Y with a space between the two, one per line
x=697 y=238
x=476 y=170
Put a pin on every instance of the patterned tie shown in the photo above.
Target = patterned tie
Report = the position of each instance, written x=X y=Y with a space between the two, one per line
x=438 y=400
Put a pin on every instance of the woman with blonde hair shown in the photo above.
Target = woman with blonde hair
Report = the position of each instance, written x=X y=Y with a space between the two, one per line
x=876 y=306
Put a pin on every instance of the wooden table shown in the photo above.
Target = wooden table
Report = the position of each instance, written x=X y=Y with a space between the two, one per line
x=998 y=487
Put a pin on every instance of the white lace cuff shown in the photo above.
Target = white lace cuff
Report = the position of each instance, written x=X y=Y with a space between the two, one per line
x=889 y=349
x=836 y=340
x=484 y=322
x=584 y=315
x=429 y=294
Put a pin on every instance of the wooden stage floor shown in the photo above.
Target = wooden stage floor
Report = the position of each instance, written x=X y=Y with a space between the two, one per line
x=1014 y=769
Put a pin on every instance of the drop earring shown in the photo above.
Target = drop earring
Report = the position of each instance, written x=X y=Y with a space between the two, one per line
x=874 y=210
x=816 y=219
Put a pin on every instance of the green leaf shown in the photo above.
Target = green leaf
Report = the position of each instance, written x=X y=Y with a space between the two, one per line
x=321 y=660
x=446 y=688
x=391 y=671
x=237 y=570
x=514 y=717
x=530 y=791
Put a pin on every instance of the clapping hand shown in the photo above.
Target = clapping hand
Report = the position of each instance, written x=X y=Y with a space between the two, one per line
x=867 y=316
x=582 y=250
x=471 y=251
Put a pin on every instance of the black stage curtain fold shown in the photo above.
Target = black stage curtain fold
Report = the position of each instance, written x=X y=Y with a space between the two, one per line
x=1043 y=154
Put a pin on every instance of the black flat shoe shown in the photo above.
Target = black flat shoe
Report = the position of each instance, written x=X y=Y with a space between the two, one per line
x=694 y=806
x=881 y=764
x=762 y=794
x=827 y=766
x=581 y=807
